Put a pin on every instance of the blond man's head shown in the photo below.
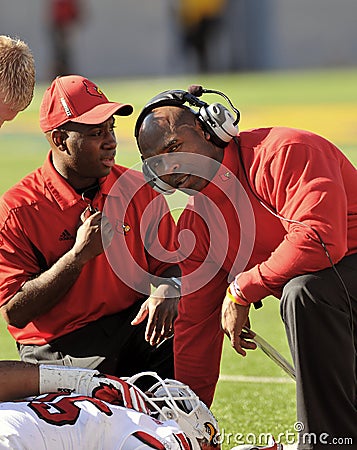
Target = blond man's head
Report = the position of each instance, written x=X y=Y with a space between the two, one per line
x=17 y=77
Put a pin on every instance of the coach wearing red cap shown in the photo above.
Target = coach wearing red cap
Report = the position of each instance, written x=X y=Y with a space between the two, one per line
x=82 y=240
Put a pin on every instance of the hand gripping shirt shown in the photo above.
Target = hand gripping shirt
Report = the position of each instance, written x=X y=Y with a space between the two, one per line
x=299 y=176
x=39 y=218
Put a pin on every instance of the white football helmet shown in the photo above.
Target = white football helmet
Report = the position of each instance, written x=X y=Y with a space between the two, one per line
x=172 y=400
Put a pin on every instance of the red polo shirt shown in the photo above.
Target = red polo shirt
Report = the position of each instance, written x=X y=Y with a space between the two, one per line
x=39 y=218
x=301 y=176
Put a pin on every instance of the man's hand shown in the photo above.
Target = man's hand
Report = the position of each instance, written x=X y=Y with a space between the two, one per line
x=234 y=318
x=161 y=310
x=93 y=237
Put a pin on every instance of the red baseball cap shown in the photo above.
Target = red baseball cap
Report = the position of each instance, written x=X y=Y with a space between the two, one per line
x=77 y=99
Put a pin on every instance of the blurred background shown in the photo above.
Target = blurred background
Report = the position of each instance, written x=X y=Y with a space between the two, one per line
x=116 y=38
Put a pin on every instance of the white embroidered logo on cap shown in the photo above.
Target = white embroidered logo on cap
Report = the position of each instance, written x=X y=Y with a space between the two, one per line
x=66 y=107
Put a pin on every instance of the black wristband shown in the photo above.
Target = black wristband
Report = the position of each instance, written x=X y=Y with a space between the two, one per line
x=258 y=304
x=173 y=281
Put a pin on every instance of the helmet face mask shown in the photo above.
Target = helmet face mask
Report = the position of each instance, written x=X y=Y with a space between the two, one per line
x=172 y=400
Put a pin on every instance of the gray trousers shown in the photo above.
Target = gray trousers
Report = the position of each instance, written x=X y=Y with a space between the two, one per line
x=321 y=325
x=110 y=344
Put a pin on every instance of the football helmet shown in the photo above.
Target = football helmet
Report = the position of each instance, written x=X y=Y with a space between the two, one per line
x=173 y=400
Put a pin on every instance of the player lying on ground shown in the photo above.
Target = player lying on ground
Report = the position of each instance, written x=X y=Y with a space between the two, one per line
x=81 y=408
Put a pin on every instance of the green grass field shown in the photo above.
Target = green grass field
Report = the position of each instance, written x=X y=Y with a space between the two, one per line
x=254 y=396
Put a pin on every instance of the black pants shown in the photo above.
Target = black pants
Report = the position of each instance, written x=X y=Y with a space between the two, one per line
x=111 y=344
x=321 y=326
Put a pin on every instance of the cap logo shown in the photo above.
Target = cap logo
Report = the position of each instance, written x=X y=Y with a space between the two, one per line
x=66 y=107
x=92 y=89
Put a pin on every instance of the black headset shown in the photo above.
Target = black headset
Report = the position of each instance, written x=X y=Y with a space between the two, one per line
x=215 y=118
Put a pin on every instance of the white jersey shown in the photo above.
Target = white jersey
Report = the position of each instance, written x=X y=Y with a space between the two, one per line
x=72 y=422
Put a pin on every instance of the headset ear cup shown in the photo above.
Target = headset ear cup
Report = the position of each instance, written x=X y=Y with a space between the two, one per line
x=219 y=122
x=224 y=118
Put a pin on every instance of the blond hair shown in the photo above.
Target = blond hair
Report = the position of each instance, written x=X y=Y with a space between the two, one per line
x=17 y=73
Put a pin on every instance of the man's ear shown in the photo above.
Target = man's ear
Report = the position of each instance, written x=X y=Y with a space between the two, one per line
x=207 y=135
x=59 y=137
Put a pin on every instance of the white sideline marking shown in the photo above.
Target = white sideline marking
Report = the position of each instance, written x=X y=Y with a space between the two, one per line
x=246 y=379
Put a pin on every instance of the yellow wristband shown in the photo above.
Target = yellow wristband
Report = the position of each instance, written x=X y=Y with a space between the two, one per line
x=233 y=299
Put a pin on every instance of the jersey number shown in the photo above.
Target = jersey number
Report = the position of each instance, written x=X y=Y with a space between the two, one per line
x=58 y=409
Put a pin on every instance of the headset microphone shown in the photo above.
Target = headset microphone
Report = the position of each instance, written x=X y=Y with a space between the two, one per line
x=155 y=181
x=198 y=90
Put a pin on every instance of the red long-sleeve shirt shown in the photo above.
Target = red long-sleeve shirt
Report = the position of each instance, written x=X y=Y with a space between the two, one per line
x=298 y=175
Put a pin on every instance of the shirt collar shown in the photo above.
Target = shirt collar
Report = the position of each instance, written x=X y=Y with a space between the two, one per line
x=106 y=183
x=63 y=192
x=226 y=175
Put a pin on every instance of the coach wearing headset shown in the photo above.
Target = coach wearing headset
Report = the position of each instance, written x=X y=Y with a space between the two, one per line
x=272 y=211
